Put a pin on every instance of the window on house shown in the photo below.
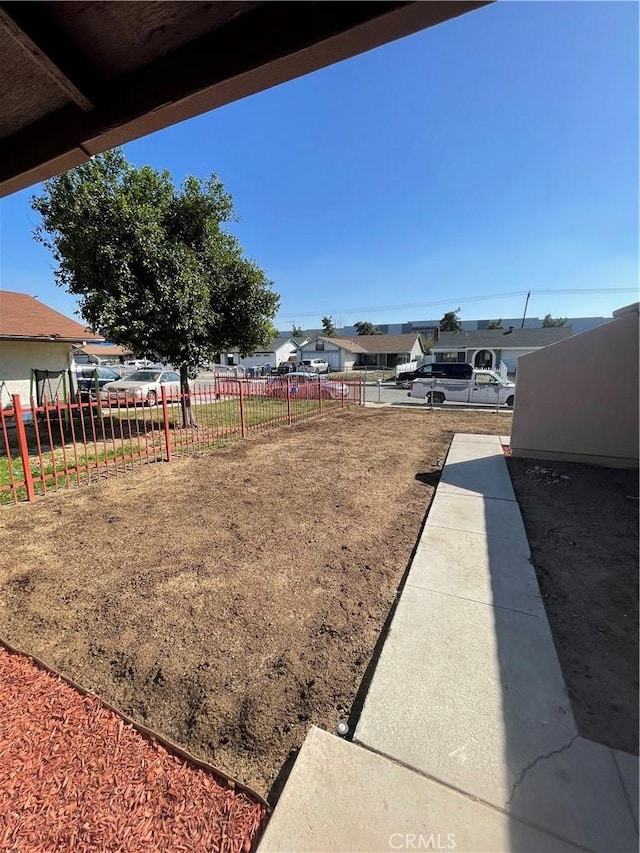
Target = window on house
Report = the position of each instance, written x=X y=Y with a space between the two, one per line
x=319 y=346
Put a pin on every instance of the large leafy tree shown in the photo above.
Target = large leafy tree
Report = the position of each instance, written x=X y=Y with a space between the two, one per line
x=550 y=322
x=297 y=331
x=450 y=322
x=152 y=264
x=363 y=327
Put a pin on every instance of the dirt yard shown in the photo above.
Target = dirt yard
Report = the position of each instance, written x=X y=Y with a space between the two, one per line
x=583 y=533
x=231 y=601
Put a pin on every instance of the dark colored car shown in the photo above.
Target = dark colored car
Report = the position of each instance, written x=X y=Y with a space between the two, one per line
x=441 y=370
x=88 y=374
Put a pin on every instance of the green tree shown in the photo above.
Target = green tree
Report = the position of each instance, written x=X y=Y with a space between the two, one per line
x=365 y=328
x=296 y=331
x=328 y=328
x=450 y=322
x=550 y=322
x=152 y=265
x=427 y=343
x=496 y=324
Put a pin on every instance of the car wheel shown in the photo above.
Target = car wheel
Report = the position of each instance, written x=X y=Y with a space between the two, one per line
x=152 y=398
x=405 y=383
x=434 y=398
x=510 y=401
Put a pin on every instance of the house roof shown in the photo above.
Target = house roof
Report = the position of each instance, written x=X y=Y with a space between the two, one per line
x=348 y=344
x=501 y=338
x=106 y=350
x=24 y=317
x=383 y=344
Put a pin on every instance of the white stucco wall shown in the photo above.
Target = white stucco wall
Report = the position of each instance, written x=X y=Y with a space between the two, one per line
x=272 y=357
x=578 y=399
x=18 y=358
x=416 y=351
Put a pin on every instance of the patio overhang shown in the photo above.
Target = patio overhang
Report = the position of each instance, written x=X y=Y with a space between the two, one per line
x=80 y=78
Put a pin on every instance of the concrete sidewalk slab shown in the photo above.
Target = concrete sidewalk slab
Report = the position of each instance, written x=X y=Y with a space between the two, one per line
x=488 y=516
x=472 y=566
x=341 y=798
x=577 y=793
x=486 y=477
x=466 y=693
x=466 y=451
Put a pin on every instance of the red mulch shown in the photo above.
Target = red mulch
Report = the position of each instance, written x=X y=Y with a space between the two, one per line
x=74 y=776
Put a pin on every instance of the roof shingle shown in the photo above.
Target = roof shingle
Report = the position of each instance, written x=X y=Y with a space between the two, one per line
x=23 y=316
x=501 y=338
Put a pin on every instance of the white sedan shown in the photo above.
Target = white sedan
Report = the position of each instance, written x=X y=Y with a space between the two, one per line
x=142 y=386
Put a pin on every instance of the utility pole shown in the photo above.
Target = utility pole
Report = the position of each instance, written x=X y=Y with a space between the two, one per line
x=525 y=309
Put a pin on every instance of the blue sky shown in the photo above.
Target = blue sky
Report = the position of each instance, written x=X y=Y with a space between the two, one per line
x=494 y=154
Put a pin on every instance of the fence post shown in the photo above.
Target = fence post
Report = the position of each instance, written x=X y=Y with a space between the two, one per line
x=23 y=447
x=320 y=393
x=165 y=421
x=288 y=403
x=243 y=424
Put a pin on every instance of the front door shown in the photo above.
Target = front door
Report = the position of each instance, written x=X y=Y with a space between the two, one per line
x=483 y=360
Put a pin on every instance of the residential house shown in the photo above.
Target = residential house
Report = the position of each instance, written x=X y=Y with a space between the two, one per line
x=375 y=351
x=578 y=399
x=489 y=347
x=341 y=353
x=280 y=349
x=102 y=354
x=389 y=350
x=34 y=337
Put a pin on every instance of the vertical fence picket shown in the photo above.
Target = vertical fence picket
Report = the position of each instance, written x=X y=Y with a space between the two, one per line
x=23 y=447
x=36 y=430
x=5 y=434
x=243 y=425
x=165 y=423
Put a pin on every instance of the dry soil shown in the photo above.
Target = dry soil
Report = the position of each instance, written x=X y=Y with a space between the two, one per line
x=231 y=601
x=583 y=533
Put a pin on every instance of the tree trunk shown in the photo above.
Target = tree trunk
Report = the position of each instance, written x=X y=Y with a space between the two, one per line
x=188 y=419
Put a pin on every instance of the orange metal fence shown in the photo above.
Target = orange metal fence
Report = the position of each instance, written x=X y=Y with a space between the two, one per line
x=61 y=444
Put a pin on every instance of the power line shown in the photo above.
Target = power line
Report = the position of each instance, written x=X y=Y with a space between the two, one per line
x=451 y=299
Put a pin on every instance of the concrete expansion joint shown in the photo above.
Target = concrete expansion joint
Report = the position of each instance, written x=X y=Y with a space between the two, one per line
x=535 y=761
x=625 y=792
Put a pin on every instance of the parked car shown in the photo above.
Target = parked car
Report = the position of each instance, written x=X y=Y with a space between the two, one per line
x=441 y=370
x=90 y=375
x=306 y=386
x=315 y=365
x=142 y=386
x=484 y=386
x=285 y=367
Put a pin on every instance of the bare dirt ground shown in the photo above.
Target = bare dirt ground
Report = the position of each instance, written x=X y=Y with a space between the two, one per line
x=583 y=534
x=231 y=601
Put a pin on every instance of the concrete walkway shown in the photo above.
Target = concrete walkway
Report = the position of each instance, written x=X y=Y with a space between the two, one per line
x=467 y=739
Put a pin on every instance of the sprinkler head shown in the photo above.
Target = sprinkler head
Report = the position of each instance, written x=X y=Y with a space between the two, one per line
x=342 y=728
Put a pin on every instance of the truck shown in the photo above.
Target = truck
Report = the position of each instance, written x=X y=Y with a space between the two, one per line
x=484 y=386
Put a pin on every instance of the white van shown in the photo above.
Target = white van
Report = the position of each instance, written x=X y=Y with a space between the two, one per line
x=485 y=386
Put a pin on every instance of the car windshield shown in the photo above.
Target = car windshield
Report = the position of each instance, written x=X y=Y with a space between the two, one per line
x=144 y=376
